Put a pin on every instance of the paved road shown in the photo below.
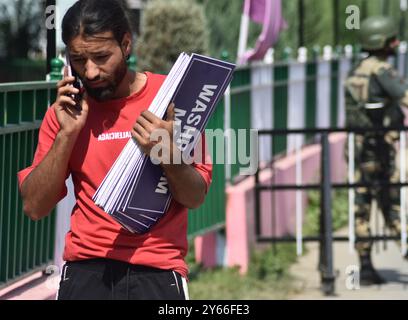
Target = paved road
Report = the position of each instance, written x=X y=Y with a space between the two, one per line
x=388 y=262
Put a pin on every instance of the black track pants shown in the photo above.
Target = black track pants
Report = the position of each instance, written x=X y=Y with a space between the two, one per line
x=104 y=279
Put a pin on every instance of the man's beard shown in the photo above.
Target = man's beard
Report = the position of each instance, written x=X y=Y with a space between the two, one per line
x=107 y=92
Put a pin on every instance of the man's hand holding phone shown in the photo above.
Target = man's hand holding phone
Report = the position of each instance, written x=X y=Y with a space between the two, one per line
x=71 y=112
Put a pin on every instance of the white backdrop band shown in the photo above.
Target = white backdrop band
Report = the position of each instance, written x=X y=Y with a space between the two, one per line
x=262 y=106
x=296 y=102
x=351 y=192
x=227 y=127
x=323 y=94
x=299 y=205
x=401 y=63
x=243 y=36
x=392 y=61
x=63 y=222
x=403 y=197
x=344 y=69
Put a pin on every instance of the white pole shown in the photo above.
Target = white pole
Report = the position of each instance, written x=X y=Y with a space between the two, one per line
x=299 y=208
x=403 y=198
x=403 y=5
x=243 y=36
x=351 y=192
x=227 y=130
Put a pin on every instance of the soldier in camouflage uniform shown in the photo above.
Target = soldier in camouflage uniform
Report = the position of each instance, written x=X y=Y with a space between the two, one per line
x=374 y=97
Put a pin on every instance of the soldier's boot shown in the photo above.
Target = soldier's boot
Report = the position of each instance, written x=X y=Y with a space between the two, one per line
x=368 y=275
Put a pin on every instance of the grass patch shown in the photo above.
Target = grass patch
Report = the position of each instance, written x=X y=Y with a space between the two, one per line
x=267 y=278
x=339 y=211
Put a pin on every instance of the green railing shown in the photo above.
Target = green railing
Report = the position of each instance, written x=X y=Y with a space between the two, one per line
x=240 y=114
x=334 y=92
x=311 y=97
x=280 y=104
x=26 y=246
x=241 y=111
x=211 y=215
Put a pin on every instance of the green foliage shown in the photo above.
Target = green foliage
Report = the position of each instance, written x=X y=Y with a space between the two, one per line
x=221 y=284
x=273 y=262
x=339 y=211
x=14 y=70
x=318 y=23
x=367 y=8
x=168 y=28
x=224 y=18
x=20 y=27
x=289 y=37
x=268 y=277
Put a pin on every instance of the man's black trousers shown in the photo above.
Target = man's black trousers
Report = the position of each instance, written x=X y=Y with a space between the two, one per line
x=104 y=279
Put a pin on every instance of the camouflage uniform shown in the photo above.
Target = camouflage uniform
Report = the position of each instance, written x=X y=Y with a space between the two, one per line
x=374 y=94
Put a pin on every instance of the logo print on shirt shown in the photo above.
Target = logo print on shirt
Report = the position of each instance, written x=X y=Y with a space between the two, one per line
x=114 y=136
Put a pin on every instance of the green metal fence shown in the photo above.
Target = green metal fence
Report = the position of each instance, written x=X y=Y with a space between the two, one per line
x=26 y=246
x=334 y=92
x=241 y=100
x=311 y=97
x=211 y=215
x=280 y=104
x=240 y=107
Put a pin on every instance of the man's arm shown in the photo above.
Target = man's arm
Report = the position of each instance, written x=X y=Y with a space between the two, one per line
x=42 y=188
x=187 y=186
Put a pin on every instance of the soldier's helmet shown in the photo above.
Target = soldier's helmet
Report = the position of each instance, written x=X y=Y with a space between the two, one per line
x=375 y=31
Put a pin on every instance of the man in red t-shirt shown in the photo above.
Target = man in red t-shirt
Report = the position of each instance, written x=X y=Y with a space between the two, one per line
x=104 y=260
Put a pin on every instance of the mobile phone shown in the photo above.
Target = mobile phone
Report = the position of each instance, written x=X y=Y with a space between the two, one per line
x=77 y=82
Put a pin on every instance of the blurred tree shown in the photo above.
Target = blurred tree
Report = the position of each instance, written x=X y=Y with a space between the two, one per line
x=290 y=36
x=367 y=8
x=318 y=23
x=168 y=28
x=224 y=19
x=224 y=22
x=21 y=23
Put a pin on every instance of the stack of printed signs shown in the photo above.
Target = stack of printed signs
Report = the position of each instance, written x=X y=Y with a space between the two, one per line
x=132 y=192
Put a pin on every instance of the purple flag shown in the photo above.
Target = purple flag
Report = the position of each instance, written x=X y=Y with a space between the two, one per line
x=269 y=14
x=255 y=9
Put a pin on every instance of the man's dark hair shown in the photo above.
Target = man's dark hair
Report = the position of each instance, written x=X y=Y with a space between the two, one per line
x=90 y=17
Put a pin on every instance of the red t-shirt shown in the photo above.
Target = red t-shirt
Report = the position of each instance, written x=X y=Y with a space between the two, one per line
x=94 y=233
